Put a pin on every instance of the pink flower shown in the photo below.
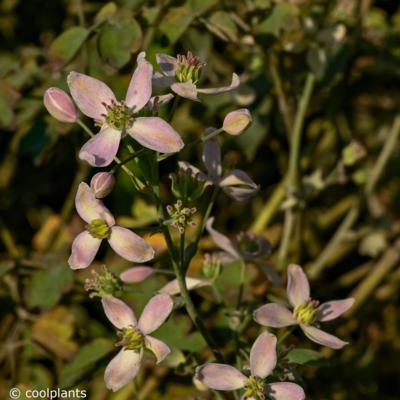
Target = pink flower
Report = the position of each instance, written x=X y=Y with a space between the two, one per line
x=136 y=274
x=306 y=312
x=237 y=121
x=101 y=225
x=96 y=100
x=262 y=362
x=102 y=184
x=135 y=337
x=236 y=183
x=172 y=287
x=59 y=105
x=182 y=73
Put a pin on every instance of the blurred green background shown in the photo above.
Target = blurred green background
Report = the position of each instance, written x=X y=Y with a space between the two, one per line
x=52 y=334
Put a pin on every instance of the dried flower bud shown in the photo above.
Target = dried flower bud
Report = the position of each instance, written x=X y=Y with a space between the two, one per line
x=237 y=121
x=102 y=184
x=187 y=184
x=60 y=105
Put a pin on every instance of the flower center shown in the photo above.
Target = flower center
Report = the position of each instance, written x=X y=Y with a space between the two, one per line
x=131 y=338
x=188 y=67
x=252 y=246
x=98 y=229
x=306 y=313
x=118 y=115
x=254 y=389
x=103 y=284
x=181 y=217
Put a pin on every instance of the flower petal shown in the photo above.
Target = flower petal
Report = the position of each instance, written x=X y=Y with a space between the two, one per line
x=156 y=134
x=158 y=347
x=166 y=63
x=156 y=102
x=90 y=208
x=185 y=89
x=220 y=376
x=285 y=391
x=202 y=176
x=234 y=84
x=298 y=288
x=162 y=81
x=136 y=274
x=122 y=369
x=90 y=94
x=212 y=159
x=333 y=309
x=84 y=250
x=172 y=288
x=155 y=313
x=100 y=150
x=60 y=106
x=274 y=315
x=238 y=185
x=221 y=240
x=263 y=355
x=321 y=337
x=129 y=245
x=118 y=312
x=139 y=90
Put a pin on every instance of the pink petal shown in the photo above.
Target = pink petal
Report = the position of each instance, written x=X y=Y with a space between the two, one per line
x=166 y=63
x=90 y=94
x=129 y=245
x=238 y=185
x=220 y=376
x=321 y=337
x=122 y=369
x=161 y=80
x=221 y=240
x=186 y=89
x=274 y=315
x=212 y=158
x=172 y=288
x=101 y=149
x=156 y=134
x=234 y=84
x=158 y=101
x=102 y=184
x=139 y=90
x=285 y=391
x=119 y=313
x=136 y=274
x=185 y=166
x=60 y=106
x=158 y=347
x=263 y=355
x=90 y=208
x=333 y=309
x=155 y=313
x=298 y=288
x=237 y=121
x=84 y=250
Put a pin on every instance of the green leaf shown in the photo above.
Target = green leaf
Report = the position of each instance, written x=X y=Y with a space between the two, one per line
x=175 y=23
x=222 y=25
x=303 y=356
x=48 y=286
x=199 y=7
x=64 y=47
x=118 y=40
x=106 y=12
x=283 y=15
x=86 y=358
x=175 y=332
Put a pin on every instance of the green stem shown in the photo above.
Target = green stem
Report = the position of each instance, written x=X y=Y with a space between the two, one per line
x=292 y=174
x=287 y=333
x=241 y=284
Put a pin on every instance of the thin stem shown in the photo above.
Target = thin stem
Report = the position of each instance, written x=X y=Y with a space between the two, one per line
x=8 y=240
x=130 y=158
x=241 y=284
x=287 y=333
x=292 y=174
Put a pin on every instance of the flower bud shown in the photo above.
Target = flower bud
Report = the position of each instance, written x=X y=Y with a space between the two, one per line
x=187 y=184
x=102 y=184
x=237 y=121
x=60 y=105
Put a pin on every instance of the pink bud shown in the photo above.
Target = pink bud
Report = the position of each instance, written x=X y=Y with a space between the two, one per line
x=237 y=121
x=60 y=106
x=102 y=184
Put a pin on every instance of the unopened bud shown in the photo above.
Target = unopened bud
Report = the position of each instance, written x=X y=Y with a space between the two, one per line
x=60 y=105
x=237 y=121
x=102 y=184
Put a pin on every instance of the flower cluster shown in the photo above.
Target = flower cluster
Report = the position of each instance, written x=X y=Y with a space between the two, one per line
x=137 y=116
